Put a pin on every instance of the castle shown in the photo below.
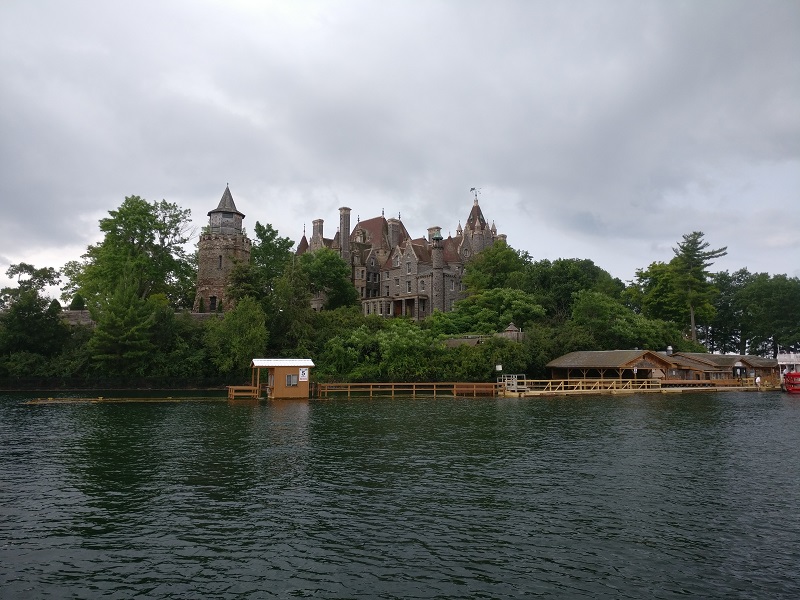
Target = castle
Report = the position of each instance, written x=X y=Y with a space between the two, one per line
x=393 y=273
x=396 y=274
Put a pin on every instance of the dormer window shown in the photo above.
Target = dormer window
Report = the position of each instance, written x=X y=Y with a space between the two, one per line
x=396 y=261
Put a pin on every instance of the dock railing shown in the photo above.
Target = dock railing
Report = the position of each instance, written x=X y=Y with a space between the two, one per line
x=242 y=391
x=514 y=385
x=392 y=389
x=519 y=384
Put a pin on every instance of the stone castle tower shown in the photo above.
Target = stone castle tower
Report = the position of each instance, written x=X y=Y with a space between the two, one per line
x=220 y=248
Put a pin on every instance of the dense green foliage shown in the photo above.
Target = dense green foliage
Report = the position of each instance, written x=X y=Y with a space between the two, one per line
x=143 y=244
x=133 y=281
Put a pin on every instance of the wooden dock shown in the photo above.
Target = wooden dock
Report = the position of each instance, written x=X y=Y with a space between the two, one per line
x=520 y=387
x=242 y=391
x=392 y=389
x=509 y=387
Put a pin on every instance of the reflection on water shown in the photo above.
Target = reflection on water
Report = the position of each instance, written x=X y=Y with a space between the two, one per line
x=598 y=497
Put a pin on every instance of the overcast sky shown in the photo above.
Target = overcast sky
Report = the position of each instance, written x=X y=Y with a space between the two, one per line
x=600 y=129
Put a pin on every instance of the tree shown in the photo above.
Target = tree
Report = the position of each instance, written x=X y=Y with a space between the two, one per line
x=487 y=312
x=690 y=265
x=29 y=278
x=238 y=337
x=555 y=283
x=31 y=322
x=144 y=244
x=500 y=265
x=654 y=294
x=329 y=276
x=611 y=326
x=771 y=307
x=289 y=312
x=270 y=253
x=727 y=329
x=269 y=257
x=121 y=343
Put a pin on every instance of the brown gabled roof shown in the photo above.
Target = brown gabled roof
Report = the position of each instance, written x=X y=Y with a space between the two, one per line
x=226 y=204
x=606 y=359
x=760 y=361
x=451 y=254
x=685 y=362
x=728 y=361
x=422 y=251
x=714 y=360
x=376 y=228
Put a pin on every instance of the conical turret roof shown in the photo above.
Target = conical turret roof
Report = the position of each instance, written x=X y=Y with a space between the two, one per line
x=226 y=204
x=476 y=221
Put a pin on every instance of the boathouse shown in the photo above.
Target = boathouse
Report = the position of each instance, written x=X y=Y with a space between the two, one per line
x=665 y=366
x=610 y=364
x=731 y=366
x=282 y=377
x=276 y=378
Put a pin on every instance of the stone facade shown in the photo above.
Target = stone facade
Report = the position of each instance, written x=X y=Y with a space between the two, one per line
x=396 y=274
x=220 y=248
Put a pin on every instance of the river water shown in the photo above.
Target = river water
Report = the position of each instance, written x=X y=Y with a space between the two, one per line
x=640 y=496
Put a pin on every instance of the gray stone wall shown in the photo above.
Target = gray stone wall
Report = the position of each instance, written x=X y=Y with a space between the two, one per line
x=217 y=255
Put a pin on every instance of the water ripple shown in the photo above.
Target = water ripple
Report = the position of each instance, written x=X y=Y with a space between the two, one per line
x=592 y=497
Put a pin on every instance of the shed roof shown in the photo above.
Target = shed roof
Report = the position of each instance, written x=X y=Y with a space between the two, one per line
x=282 y=362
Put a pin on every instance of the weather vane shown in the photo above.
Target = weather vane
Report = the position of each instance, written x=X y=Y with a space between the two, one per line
x=475 y=191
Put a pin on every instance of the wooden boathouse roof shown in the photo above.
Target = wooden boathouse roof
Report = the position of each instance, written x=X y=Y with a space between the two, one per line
x=610 y=359
x=728 y=360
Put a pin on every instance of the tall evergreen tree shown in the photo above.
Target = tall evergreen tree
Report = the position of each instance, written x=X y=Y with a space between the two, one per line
x=690 y=264
x=121 y=343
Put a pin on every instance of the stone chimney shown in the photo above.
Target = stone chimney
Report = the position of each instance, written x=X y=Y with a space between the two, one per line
x=344 y=233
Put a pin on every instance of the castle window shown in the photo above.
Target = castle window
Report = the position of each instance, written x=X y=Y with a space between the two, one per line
x=396 y=261
x=219 y=265
x=212 y=303
x=387 y=289
x=397 y=281
x=372 y=262
x=452 y=285
x=421 y=285
x=408 y=286
x=408 y=267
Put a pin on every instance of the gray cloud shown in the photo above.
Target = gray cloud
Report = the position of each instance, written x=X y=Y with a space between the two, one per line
x=594 y=130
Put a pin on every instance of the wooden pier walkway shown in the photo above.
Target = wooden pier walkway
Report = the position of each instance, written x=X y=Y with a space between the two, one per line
x=392 y=389
x=509 y=387
x=519 y=387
